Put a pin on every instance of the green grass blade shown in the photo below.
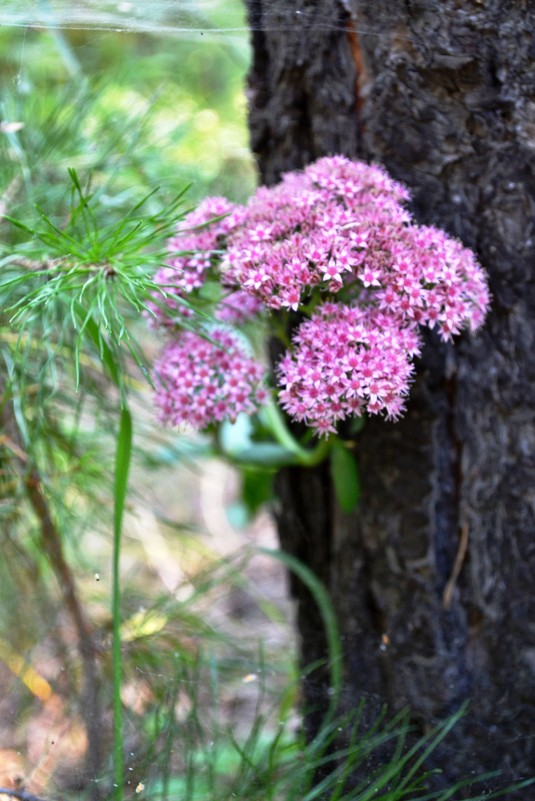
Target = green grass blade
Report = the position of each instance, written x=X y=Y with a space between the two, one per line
x=122 y=465
x=321 y=597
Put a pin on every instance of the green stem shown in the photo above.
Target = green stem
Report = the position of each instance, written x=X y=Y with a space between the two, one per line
x=303 y=456
x=324 y=603
x=122 y=464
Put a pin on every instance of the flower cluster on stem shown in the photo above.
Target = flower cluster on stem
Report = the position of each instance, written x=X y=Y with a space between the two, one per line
x=335 y=246
x=202 y=381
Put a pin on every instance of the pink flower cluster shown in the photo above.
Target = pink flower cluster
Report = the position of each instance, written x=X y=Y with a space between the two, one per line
x=312 y=230
x=194 y=249
x=237 y=307
x=198 y=241
x=340 y=226
x=347 y=360
x=335 y=244
x=203 y=381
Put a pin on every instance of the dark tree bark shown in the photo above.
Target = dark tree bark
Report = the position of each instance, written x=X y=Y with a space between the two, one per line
x=433 y=578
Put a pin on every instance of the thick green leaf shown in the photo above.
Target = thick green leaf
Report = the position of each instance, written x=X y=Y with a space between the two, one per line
x=345 y=477
x=256 y=488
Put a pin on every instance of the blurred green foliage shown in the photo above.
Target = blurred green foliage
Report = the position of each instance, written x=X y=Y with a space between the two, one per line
x=93 y=121
x=172 y=100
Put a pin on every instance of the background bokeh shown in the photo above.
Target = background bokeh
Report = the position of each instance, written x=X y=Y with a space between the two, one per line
x=135 y=97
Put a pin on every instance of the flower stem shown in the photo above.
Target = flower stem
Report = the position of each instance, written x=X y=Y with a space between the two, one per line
x=307 y=457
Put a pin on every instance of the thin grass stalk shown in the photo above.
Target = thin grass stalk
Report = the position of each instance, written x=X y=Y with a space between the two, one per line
x=170 y=732
x=323 y=601
x=122 y=465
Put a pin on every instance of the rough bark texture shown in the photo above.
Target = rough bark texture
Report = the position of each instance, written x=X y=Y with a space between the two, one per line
x=434 y=577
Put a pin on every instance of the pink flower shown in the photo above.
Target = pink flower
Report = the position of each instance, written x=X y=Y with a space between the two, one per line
x=192 y=251
x=370 y=277
x=345 y=361
x=237 y=307
x=332 y=272
x=201 y=382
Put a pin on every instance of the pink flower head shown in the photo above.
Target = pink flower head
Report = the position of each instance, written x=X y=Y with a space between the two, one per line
x=237 y=307
x=338 y=226
x=346 y=361
x=311 y=230
x=192 y=251
x=201 y=382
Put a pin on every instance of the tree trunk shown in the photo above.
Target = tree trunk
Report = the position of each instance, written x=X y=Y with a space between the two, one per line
x=433 y=576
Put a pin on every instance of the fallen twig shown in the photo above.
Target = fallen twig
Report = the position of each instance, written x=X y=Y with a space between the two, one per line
x=447 y=595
